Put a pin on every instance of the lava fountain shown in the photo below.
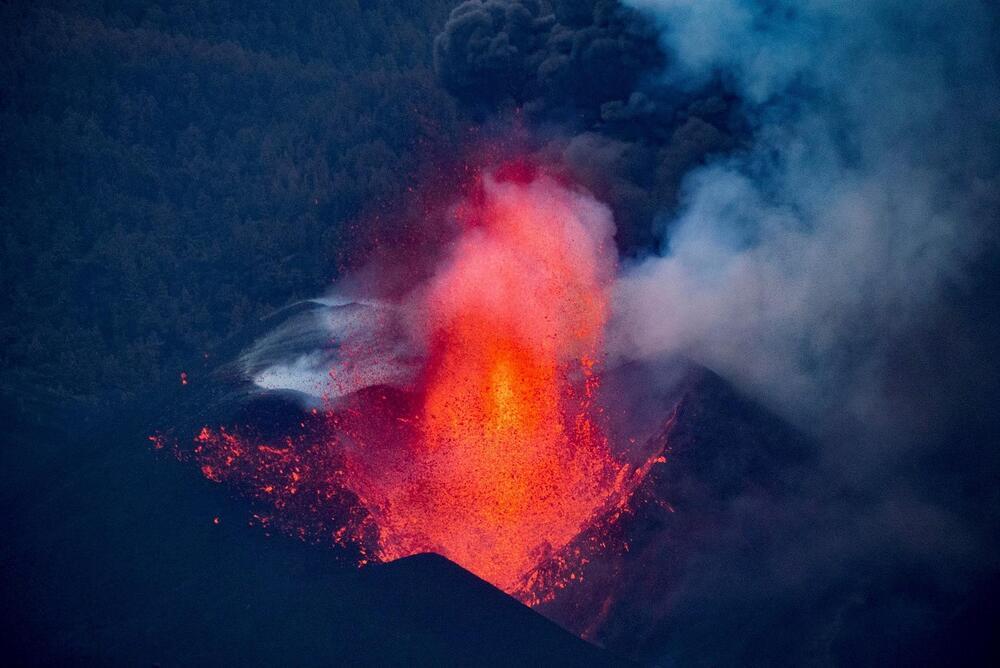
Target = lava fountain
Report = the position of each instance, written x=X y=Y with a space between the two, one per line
x=495 y=456
x=508 y=462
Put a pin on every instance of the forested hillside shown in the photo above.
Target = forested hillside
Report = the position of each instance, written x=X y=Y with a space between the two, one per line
x=169 y=172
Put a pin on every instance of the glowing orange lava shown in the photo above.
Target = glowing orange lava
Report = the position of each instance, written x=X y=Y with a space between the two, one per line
x=496 y=458
x=509 y=462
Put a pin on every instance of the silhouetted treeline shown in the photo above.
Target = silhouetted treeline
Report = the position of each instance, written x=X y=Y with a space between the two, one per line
x=170 y=172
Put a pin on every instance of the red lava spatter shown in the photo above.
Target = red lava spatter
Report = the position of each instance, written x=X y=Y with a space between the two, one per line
x=498 y=459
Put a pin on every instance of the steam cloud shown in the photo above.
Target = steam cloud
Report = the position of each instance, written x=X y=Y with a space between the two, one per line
x=797 y=263
x=332 y=347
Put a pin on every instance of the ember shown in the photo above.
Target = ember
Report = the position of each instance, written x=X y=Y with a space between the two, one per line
x=509 y=462
x=497 y=458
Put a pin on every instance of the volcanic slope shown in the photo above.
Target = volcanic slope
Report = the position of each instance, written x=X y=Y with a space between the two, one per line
x=744 y=550
x=114 y=556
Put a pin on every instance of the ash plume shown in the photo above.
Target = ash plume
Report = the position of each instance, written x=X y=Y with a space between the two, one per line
x=838 y=266
x=573 y=59
x=585 y=76
x=799 y=264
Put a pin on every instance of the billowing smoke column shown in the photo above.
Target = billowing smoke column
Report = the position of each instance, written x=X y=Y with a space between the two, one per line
x=798 y=264
x=579 y=72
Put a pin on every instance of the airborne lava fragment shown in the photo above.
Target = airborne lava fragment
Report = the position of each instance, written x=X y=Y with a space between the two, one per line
x=497 y=456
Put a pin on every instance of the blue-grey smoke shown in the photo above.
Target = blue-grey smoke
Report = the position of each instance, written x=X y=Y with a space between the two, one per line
x=867 y=192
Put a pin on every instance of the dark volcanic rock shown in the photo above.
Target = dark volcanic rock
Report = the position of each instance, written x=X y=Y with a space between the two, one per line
x=742 y=549
x=470 y=621
x=113 y=556
x=728 y=461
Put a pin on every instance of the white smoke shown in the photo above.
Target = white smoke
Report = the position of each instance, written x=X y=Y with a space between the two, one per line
x=332 y=348
x=795 y=264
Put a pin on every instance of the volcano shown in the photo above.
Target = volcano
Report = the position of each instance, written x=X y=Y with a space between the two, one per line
x=476 y=416
x=143 y=560
x=491 y=446
x=686 y=424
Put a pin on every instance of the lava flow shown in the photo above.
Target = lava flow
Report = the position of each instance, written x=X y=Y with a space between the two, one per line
x=496 y=457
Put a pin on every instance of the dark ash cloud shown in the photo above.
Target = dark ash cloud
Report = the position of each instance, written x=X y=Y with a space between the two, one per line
x=511 y=52
x=585 y=75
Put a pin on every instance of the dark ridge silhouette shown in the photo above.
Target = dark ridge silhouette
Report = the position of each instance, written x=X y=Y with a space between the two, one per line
x=479 y=622
x=126 y=559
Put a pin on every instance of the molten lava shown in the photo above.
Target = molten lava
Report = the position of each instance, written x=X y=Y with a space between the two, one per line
x=497 y=457
x=509 y=463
